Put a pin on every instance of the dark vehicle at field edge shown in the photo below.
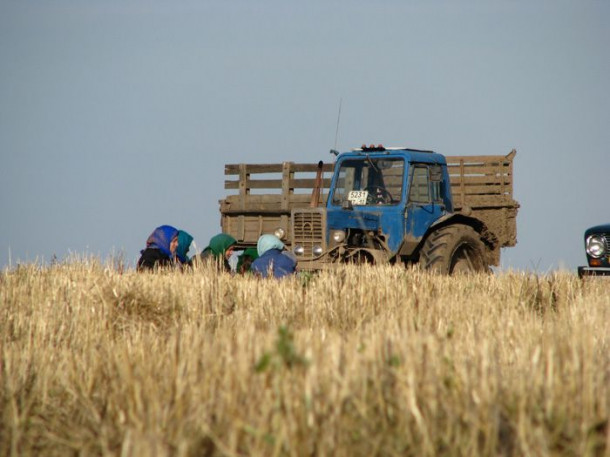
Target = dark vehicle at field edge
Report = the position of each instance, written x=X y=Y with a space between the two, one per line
x=597 y=248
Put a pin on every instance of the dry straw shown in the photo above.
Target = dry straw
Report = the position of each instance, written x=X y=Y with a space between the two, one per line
x=355 y=362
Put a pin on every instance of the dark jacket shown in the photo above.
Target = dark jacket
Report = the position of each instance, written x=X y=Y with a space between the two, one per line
x=153 y=257
x=275 y=260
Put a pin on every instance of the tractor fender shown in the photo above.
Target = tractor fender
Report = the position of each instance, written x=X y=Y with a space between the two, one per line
x=411 y=245
x=464 y=218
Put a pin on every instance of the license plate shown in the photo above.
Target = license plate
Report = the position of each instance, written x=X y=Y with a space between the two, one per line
x=358 y=197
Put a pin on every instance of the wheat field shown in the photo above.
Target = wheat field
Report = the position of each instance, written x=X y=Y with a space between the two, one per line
x=363 y=361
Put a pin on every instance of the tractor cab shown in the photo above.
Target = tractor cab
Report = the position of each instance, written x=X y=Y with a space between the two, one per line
x=381 y=196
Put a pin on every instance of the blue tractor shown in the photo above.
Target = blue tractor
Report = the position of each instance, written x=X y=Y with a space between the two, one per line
x=382 y=205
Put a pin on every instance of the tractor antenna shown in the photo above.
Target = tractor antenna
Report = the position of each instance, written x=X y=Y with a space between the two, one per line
x=334 y=150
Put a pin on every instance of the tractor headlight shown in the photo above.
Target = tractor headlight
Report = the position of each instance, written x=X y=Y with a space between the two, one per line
x=338 y=236
x=317 y=250
x=280 y=233
x=596 y=246
x=299 y=250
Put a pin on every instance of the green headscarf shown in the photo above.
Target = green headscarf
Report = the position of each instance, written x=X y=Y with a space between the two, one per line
x=252 y=253
x=184 y=244
x=219 y=245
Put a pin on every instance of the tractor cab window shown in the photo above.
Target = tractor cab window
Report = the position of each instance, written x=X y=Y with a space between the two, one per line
x=436 y=181
x=426 y=181
x=369 y=181
x=420 y=189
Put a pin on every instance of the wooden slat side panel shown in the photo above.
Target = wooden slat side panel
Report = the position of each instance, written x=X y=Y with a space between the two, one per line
x=287 y=189
x=476 y=169
x=480 y=180
x=273 y=187
x=233 y=169
x=277 y=184
x=489 y=189
x=396 y=171
x=249 y=228
x=309 y=183
x=268 y=199
x=267 y=204
x=243 y=191
x=393 y=181
x=255 y=184
x=465 y=188
x=480 y=159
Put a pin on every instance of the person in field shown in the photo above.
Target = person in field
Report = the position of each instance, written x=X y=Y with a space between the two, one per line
x=160 y=249
x=241 y=260
x=245 y=259
x=219 y=250
x=184 y=244
x=273 y=260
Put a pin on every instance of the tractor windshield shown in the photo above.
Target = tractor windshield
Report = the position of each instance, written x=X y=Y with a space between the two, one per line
x=369 y=181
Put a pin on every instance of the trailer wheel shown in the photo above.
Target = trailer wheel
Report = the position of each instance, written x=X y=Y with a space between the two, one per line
x=455 y=249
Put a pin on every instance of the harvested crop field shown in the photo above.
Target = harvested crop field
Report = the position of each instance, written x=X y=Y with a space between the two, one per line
x=361 y=361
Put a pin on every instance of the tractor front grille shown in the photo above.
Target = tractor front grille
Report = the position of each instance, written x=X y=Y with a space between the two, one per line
x=309 y=229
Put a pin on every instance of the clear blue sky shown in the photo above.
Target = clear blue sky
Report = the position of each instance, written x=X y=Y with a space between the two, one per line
x=118 y=116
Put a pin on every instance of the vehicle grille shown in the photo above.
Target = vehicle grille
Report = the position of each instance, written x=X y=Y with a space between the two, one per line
x=308 y=229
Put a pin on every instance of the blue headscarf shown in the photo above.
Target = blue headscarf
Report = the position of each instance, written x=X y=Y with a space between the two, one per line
x=184 y=244
x=161 y=238
x=267 y=242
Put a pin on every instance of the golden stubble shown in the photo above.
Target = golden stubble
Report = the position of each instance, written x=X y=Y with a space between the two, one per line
x=357 y=361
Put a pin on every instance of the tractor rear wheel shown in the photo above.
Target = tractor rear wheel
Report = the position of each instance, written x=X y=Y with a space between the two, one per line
x=455 y=249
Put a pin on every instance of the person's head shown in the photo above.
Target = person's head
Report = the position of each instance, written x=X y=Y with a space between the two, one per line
x=267 y=242
x=229 y=251
x=222 y=245
x=245 y=260
x=164 y=238
x=173 y=245
x=183 y=244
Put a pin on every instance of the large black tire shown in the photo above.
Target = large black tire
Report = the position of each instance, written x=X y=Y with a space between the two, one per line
x=454 y=249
